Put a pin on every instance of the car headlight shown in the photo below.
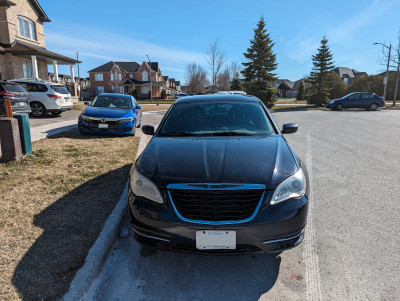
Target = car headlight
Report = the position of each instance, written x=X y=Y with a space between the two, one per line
x=292 y=187
x=126 y=119
x=141 y=186
x=84 y=117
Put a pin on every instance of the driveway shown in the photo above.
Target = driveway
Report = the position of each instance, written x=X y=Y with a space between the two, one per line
x=352 y=238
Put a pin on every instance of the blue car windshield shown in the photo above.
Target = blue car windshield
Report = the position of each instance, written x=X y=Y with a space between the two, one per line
x=217 y=119
x=113 y=102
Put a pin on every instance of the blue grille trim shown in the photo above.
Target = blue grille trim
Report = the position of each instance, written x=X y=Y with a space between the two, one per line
x=208 y=186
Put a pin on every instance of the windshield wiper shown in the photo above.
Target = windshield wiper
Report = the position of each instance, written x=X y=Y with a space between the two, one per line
x=177 y=134
x=229 y=133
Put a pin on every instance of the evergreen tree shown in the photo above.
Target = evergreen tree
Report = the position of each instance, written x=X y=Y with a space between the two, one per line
x=300 y=91
x=163 y=94
x=261 y=62
x=321 y=75
x=236 y=85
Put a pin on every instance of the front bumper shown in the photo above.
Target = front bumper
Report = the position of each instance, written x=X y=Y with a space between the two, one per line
x=273 y=229
x=125 y=128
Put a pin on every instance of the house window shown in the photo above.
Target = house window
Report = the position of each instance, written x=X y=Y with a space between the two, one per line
x=346 y=80
x=100 y=89
x=119 y=76
x=98 y=77
x=145 y=90
x=28 y=69
x=145 y=76
x=131 y=75
x=26 y=28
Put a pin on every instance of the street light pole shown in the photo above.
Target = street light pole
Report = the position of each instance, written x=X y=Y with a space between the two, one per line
x=387 y=68
x=151 y=86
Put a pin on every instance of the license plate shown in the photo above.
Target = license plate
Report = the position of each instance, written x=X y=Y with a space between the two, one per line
x=211 y=239
x=103 y=126
x=22 y=104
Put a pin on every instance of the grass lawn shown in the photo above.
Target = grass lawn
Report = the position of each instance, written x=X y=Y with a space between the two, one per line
x=53 y=206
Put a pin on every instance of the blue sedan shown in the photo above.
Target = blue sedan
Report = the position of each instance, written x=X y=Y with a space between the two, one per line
x=361 y=100
x=111 y=114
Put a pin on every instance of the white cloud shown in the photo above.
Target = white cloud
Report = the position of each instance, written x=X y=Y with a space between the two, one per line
x=302 y=48
x=110 y=45
x=346 y=30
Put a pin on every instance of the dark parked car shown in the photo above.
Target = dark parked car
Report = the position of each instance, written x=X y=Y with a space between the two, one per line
x=111 y=113
x=218 y=176
x=361 y=100
x=18 y=96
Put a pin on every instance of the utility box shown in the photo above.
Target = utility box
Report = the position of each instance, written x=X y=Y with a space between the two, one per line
x=24 y=132
x=10 y=139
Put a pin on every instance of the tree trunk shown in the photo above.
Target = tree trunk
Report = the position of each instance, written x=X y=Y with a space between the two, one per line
x=397 y=82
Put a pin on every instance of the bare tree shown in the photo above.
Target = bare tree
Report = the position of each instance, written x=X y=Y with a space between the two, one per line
x=224 y=80
x=216 y=60
x=196 y=78
x=394 y=64
x=234 y=70
x=396 y=60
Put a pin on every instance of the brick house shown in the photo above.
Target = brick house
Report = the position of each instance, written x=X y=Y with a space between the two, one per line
x=129 y=78
x=23 y=52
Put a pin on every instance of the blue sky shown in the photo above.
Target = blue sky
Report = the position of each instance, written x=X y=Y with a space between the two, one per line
x=175 y=33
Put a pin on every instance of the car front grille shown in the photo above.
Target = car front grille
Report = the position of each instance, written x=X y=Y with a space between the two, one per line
x=216 y=205
x=112 y=125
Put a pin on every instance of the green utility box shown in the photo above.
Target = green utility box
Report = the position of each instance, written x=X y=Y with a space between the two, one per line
x=24 y=131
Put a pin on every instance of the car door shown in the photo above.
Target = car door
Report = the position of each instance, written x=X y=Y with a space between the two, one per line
x=353 y=101
x=365 y=100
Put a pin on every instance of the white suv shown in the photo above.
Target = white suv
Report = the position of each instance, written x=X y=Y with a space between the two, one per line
x=46 y=97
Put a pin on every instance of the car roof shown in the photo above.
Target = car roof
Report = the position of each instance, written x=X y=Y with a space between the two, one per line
x=114 y=94
x=218 y=97
x=7 y=82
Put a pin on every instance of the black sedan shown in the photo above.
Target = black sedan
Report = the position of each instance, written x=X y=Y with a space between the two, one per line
x=218 y=176
x=361 y=100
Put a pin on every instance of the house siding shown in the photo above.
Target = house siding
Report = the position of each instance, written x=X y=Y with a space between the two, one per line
x=10 y=32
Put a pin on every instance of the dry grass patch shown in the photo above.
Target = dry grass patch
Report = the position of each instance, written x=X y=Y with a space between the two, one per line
x=154 y=107
x=53 y=206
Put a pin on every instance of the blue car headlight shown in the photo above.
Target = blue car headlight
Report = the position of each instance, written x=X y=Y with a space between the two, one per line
x=84 y=117
x=126 y=119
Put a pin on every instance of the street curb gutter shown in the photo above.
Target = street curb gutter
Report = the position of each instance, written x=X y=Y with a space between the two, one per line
x=98 y=252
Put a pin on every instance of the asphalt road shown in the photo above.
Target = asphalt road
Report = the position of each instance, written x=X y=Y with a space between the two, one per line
x=351 y=250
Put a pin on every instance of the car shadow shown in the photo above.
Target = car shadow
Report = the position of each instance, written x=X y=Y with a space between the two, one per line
x=136 y=272
x=73 y=133
x=69 y=226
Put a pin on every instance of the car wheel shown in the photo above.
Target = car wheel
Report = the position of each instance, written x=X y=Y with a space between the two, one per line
x=37 y=109
x=373 y=106
x=339 y=107
x=56 y=113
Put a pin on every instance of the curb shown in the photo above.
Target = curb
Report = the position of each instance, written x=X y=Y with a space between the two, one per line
x=99 y=251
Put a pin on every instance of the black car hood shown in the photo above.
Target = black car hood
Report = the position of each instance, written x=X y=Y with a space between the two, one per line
x=251 y=160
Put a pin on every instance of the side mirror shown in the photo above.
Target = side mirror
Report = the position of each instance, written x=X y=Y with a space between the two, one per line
x=148 y=130
x=290 y=128
x=138 y=107
x=86 y=103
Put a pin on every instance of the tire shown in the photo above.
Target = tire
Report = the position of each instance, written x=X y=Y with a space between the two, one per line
x=37 y=109
x=339 y=107
x=56 y=113
x=373 y=106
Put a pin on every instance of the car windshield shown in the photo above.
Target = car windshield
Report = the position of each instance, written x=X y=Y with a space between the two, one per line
x=60 y=89
x=217 y=119
x=117 y=102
